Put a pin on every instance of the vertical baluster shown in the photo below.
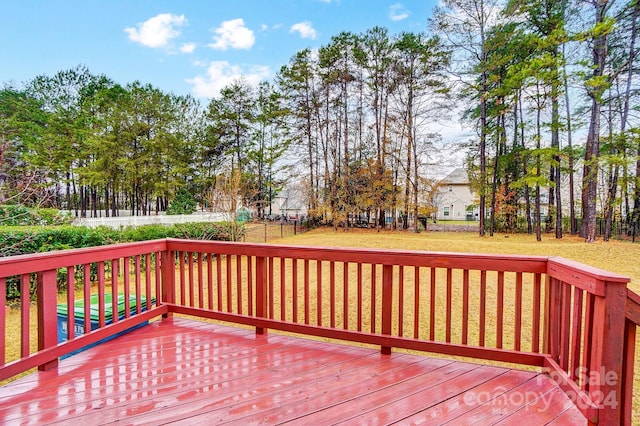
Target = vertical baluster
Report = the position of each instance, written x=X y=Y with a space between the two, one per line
x=147 y=280
x=294 y=284
x=518 y=318
x=387 y=303
x=416 y=302
x=554 y=305
x=87 y=297
x=306 y=292
x=483 y=306
x=127 y=287
x=565 y=326
x=239 y=284
x=138 y=287
x=71 y=314
x=401 y=300
x=360 y=301
x=200 y=282
x=158 y=278
x=283 y=290
x=588 y=336
x=210 y=279
x=271 y=286
x=318 y=292
x=101 y=292
x=535 y=341
x=449 y=300
x=500 y=311
x=432 y=305
x=250 y=284
x=332 y=293
x=191 y=286
x=576 y=334
x=181 y=255
x=345 y=295
x=373 y=298
x=219 y=280
x=465 y=306
x=25 y=305
x=228 y=281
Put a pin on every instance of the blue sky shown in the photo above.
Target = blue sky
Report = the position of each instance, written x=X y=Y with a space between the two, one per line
x=183 y=46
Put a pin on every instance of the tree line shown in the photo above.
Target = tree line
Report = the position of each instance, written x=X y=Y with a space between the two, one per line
x=550 y=87
x=554 y=86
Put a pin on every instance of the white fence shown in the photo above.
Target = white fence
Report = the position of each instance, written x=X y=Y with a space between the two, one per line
x=123 y=221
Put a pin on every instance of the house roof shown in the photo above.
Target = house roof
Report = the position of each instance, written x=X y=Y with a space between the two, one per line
x=457 y=177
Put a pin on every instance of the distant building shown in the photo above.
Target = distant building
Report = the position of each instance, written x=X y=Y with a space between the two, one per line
x=288 y=203
x=455 y=200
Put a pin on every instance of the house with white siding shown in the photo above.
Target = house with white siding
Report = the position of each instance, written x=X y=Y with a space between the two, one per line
x=455 y=200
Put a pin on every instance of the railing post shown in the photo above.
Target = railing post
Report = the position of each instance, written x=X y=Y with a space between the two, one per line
x=168 y=279
x=552 y=313
x=607 y=356
x=628 y=370
x=261 y=292
x=47 y=315
x=387 y=303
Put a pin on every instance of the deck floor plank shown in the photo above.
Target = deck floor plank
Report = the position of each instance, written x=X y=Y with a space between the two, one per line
x=414 y=401
x=182 y=371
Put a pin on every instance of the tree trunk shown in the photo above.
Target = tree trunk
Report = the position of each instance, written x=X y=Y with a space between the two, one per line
x=572 y=204
x=592 y=148
x=555 y=144
x=590 y=175
x=483 y=142
x=415 y=185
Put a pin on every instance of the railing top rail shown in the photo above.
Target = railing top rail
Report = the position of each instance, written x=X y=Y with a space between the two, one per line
x=489 y=262
x=35 y=262
x=584 y=276
x=589 y=278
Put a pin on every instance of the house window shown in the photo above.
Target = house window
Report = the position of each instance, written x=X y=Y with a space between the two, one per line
x=446 y=211
x=450 y=188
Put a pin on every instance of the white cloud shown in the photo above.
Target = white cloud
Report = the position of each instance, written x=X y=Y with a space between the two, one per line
x=305 y=29
x=157 y=31
x=397 y=12
x=221 y=74
x=233 y=34
x=188 y=48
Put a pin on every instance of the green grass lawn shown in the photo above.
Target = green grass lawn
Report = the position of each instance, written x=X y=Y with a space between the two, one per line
x=620 y=257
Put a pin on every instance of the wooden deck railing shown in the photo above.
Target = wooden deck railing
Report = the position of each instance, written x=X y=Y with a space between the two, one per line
x=575 y=321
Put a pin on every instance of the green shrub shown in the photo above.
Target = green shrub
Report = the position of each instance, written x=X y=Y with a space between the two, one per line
x=184 y=203
x=146 y=233
x=18 y=215
x=15 y=240
x=223 y=231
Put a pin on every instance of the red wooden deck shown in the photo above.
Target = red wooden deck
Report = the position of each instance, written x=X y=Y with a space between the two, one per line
x=190 y=372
